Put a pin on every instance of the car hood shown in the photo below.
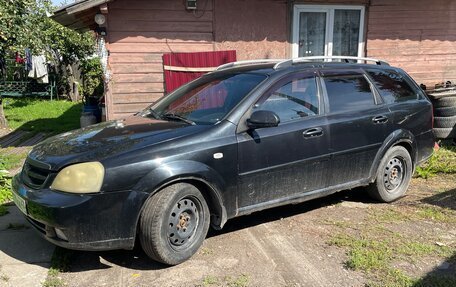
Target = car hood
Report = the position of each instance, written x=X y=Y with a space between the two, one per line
x=94 y=143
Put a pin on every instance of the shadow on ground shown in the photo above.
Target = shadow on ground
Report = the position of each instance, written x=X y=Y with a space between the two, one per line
x=445 y=199
x=138 y=260
x=443 y=275
x=39 y=129
x=19 y=243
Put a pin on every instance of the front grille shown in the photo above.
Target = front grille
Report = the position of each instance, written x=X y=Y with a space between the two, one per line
x=35 y=174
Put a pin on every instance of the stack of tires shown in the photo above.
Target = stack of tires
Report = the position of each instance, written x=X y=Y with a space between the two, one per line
x=444 y=102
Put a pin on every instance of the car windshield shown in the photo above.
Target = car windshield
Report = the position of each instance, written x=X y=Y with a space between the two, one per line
x=205 y=101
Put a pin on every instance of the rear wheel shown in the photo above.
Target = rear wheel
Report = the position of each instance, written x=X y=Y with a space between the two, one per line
x=174 y=223
x=393 y=175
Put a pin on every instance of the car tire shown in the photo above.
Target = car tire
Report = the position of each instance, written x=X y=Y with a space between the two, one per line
x=393 y=175
x=445 y=112
x=445 y=122
x=444 y=133
x=444 y=102
x=174 y=223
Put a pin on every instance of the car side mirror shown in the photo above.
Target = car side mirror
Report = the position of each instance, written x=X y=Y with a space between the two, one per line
x=263 y=119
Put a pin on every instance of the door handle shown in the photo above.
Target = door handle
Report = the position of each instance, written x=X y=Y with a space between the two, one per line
x=313 y=132
x=379 y=119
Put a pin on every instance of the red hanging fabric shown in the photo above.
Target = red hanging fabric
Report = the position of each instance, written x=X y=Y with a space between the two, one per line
x=181 y=68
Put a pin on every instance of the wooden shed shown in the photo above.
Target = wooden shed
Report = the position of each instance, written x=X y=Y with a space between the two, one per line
x=417 y=35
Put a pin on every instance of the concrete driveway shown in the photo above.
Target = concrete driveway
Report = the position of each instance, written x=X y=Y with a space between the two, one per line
x=24 y=256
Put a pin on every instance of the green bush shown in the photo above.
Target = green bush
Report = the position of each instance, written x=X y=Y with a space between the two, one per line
x=92 y=74
x=5 y=188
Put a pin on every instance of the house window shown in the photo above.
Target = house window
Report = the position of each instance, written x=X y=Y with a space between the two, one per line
x=327 y=30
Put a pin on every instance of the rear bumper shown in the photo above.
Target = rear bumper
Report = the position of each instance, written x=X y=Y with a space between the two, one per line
x=103 y=221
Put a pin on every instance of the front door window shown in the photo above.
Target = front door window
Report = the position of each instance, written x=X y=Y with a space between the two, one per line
x=326 y=30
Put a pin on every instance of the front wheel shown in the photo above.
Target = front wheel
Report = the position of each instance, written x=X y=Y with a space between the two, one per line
x=174 y=223
x=393 y=175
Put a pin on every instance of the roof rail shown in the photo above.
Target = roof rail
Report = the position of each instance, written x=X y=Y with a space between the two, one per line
x=247 y=62
x=288 y=63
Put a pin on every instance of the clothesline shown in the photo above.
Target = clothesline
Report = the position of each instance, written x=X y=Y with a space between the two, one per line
x=36 y=66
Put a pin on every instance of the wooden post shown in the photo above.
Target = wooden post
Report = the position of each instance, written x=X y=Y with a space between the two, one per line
x=3 y=121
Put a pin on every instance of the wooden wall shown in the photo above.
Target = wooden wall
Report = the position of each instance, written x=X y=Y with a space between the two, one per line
x=139 y=32
x=256 y=29
x=416 y=35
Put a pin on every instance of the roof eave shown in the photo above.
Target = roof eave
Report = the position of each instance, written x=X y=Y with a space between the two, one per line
x=79 y=16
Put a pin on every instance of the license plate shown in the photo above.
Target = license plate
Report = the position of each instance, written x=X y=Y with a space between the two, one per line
x=20 y=203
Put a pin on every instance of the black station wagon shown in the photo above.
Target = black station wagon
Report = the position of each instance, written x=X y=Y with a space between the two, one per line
x=246 y=137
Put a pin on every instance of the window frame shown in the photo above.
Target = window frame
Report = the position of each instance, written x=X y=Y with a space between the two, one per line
x=330 y=11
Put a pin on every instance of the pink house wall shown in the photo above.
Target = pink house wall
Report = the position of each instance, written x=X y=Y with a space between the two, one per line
x=257 y=29
x=411 y=34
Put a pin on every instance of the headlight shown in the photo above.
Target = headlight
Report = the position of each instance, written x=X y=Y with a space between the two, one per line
x=80 y=178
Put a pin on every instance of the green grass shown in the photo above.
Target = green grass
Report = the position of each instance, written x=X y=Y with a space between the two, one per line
x=34 y=115
x=364 y=254
x=375 y=255
x=5 y=189
x=60 y=262
x=206 y=251
x=3 y=210
x=237 y=281
x=53 y=279
x=413 y=213
x=10 y=160
x=388 y=215
x=39 y=115
x=442 y=161
x=210 y=280
x=61 y=259
x=437 y=214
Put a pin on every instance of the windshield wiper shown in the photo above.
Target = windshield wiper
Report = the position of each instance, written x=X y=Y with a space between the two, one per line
x=170 y=116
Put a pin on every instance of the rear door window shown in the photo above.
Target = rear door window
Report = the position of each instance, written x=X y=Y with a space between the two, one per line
x=392 y=86
x=348 y=93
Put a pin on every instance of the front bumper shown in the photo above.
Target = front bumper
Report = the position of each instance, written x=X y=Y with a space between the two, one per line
x=102 y=221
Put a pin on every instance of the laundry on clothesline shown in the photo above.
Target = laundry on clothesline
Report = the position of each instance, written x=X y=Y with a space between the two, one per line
x=39 y=69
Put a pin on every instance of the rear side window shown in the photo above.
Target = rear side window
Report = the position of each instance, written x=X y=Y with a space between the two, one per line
x=348 y=93
x=392 y=86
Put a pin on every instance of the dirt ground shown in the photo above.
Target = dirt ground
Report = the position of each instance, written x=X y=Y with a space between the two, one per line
x=300 y=245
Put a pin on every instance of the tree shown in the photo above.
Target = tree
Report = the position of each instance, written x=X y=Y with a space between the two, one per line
x=25 y=24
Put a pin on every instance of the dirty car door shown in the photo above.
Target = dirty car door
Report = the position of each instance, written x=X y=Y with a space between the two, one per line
x=359 y=124
x=280 y=163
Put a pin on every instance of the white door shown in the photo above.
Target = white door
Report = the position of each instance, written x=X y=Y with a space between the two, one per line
x=327 y=30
